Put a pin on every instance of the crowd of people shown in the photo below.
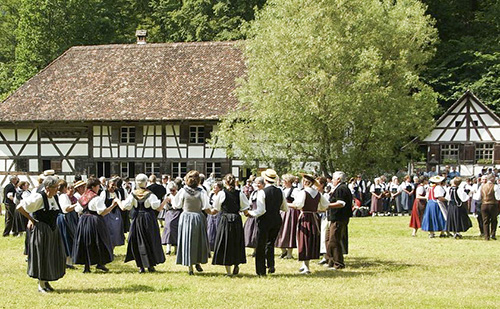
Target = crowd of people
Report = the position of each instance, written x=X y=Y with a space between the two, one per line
x=81 y=223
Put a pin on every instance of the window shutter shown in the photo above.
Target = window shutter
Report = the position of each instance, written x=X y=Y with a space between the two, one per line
x=496 y=153
x=208 y=133
x=469 y=153
x=115 y=135
x=184 y=134
x=225 y=168
x=139 y=135
x=435 y=150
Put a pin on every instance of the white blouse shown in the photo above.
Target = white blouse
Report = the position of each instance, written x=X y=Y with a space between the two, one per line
x=151 y=202
x=64 y=202
x=96 y=204
x=220 y=197
x=300 y=199
x=34 y=202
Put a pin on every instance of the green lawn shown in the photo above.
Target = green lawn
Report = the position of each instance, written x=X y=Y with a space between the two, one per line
x=385 y=268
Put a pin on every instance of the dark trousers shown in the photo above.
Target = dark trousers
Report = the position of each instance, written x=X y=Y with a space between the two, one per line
x=337 y=231
x=479 y=217
x=267 y=232
x=10 y=210
x=490 y=213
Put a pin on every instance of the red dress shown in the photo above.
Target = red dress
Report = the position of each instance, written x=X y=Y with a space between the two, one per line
x=418 y=211
x=309 y=234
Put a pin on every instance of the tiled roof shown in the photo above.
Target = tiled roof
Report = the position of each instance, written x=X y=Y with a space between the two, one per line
x=169 y=81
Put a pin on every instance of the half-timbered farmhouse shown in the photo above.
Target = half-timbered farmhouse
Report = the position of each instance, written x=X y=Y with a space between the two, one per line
x=123 y=109
x=467 y=136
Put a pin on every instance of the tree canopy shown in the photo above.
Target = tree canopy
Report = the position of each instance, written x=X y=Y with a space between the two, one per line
x=334 y=82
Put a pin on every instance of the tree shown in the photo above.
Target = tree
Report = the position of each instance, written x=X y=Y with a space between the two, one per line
x=8 y=24
x=336 y=82
x=468 y=54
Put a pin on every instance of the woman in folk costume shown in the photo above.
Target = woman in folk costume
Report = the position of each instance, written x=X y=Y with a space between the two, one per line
x=169 y=235
x=458 y=217
x=395 y=191
x=322 y=183
x=287 y=237
x=46 y=256
x=92 y=244
x=433 y=219
x=144 y=242
x=407 y=194
x=309 y=201
x=213 y=220
x=192 y=243
x=250 y=227
x=114 y=219
x=419 y=204
x=23 y=193
x=67 y=221
x=377 y=192
x=229 y=247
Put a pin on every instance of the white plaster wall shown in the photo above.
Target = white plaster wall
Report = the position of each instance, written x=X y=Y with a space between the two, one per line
x=80 y=150
x=48 y=150
x=65 y=166
x=33 y=165
x=9 y=134
x=196 y=152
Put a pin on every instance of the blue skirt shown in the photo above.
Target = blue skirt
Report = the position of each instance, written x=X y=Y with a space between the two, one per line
x=192 y=242
x=433 y=218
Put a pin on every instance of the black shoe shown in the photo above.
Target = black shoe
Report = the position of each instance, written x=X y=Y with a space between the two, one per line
x=494 y=237
x=168 y=253
x=198 y=268
x=191 y=273
x=271 y=270
x=253 y=254
x=48 y=287
x=103 y=268
x=236 y=270
x=283 y=255
x=70 y=266
x=141 y=270
x=151 y=269
x=86 y=270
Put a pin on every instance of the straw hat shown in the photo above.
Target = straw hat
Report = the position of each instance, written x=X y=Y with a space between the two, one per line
x=79 y=183
x=270 y=175
x=311 y=179
x=436 y=179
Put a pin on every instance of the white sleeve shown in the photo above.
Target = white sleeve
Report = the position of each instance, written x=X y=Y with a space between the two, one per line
x=300 y=199
x=177 y=201
x=439 y=192
x=64 y=202
x=128 y=203
x=205 y=203
x=323 y=203
x=284 y=204
x=97 y=204
x=219 y=198
x=244 y=203
x=420 y=190
x=153 y=201
x=372 y=188
x=33 y=203
x=261 y=205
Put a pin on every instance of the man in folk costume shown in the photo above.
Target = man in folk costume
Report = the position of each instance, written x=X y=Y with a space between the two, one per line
x=269 y=203
x=489 y=208
x=10 y=207
x=339 y=212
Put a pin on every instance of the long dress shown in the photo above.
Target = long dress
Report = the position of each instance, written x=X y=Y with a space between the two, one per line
x=192 y=242
x=458 y=218
x=212 y=223
x=230 y=243
x=92 y=244
x=376 y=205
x=20 y=222
x=407 y=200
x=114 y=219
x=418 y=209
x=67 y=223
x=144 y=242
x=433 y=219
x=46 y=256
x=250 y=227
x=287 y=237
x=170 y=231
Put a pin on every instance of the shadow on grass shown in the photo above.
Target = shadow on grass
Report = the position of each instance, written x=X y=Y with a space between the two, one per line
x=118 y=290
x=379 y=265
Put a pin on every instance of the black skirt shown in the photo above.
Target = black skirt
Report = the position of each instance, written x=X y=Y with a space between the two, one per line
x=92 y=244
x=230 y=241
x=46 y=256
x=458 y=219
x=144 y=242
x=20 y=223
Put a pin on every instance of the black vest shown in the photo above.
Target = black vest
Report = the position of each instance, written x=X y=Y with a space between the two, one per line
x=231 y=203
x=274 y=199
x=47 y=215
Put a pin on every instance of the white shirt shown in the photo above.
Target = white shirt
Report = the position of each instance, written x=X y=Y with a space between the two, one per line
x=261 y=203
x=438 y=192
x=300 y=199
x=420 y=191
x=34 y=202
x=64 y=202
x=96 y=204
x=220 y=197
x=476 y=191
x=151 y=202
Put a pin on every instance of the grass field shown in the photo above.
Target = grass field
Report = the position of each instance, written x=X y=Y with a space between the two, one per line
x=385 y=268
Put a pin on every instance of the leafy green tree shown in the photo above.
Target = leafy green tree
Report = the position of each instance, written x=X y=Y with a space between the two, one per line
x=336 y=82
x=8 y=24
x=468 y=54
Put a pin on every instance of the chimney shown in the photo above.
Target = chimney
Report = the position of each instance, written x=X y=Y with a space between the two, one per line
x=141 y=36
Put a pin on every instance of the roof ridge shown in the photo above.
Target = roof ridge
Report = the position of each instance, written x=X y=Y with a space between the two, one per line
x=156 y=45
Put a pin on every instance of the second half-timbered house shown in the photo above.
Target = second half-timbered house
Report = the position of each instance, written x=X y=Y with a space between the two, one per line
x=123 y=109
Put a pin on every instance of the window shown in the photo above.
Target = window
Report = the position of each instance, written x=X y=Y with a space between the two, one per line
x=214 y=167
x=55 y=165
x=104 y=169
x=179 y=169
x=449 y=152
x=127 y=169
x=127 y=135
x=484 y=151
x=196 y=134
x=22 y=165
x=458 y=123
x=152 y=168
